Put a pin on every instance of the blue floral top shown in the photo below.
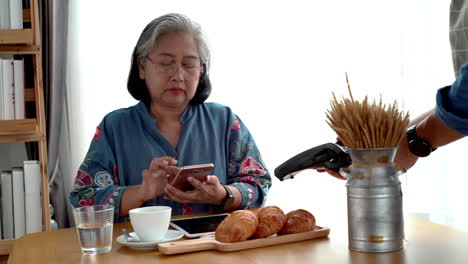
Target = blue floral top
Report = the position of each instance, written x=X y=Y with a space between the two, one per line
x=127 y=140
x=452 y=103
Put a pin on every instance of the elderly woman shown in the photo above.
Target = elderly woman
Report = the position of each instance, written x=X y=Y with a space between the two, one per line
x=128 y=162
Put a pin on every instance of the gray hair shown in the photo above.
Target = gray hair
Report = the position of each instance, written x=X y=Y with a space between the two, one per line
x=169 y=23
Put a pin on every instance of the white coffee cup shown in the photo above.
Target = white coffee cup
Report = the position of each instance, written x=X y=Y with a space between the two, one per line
x=150 y=223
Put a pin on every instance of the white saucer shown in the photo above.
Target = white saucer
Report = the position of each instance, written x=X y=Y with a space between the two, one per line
x=135 y=243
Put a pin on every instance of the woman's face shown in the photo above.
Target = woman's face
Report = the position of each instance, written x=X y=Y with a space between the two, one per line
x=172 y=70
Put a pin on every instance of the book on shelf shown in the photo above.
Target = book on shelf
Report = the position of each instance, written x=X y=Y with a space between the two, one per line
x=8 y=90
x=1 y=90
x=18 y=202
x=32 y=196
x=7 y=205
x=16 y=14
x=4 y=14
x=18 y=83
x=11 y=14
x=12 y=89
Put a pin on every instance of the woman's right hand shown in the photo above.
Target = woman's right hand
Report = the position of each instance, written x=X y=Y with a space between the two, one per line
x=155 y=178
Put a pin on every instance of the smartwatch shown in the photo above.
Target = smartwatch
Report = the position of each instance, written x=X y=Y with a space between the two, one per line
x=417 y=145
x=226 y=204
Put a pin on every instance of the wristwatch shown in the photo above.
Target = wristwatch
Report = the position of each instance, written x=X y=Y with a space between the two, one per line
x=228 y=200
x=417 y=145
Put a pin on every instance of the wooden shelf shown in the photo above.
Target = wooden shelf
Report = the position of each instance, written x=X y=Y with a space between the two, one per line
x=35 y=137
x=15 y=127
x=28 y=41
x=20 y=49
x=6 y=246
x=24 y=130
x=16 y=36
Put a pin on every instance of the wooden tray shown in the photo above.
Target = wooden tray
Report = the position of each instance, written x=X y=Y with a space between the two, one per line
x=209 y=243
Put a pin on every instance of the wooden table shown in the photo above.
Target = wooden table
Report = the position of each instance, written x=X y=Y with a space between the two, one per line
x=425 y=242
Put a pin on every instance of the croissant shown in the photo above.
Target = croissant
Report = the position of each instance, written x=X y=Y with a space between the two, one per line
x=270 y=220
x=298 y=221
x=238 y=226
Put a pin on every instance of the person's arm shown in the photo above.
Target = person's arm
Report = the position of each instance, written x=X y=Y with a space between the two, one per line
x=429 y=128
x=237 y=197
x=446 y=123
x=435 y=132
x=131 y=198
x=452 y=104
x=97 y=180
x=248 y=177
x=154 y=179
x=420 y=118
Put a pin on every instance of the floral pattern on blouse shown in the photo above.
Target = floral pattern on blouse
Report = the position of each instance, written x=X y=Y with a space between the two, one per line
x=187 y=209
x=103 y=178
x=82 y=179
x=97 y=134
x=236 y=124
x=251 y=166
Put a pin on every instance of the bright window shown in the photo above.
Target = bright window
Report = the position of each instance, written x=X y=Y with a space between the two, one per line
x=276 y=63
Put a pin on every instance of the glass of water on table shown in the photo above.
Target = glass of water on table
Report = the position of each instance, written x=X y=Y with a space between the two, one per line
x=94 y=226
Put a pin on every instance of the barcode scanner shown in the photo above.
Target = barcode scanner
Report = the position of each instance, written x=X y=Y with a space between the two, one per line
x=328 y=155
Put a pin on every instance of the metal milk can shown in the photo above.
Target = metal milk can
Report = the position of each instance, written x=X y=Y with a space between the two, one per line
x=375 y=212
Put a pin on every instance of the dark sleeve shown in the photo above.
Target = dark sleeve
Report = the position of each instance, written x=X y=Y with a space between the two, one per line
x=452 y=103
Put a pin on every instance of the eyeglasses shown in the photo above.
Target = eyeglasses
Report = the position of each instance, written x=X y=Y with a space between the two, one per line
x=189 y=69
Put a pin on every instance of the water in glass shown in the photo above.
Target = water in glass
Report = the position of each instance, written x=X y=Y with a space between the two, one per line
x=95 y=239
x=94 y=226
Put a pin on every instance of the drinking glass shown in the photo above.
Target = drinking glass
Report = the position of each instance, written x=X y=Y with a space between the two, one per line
x=94 y=225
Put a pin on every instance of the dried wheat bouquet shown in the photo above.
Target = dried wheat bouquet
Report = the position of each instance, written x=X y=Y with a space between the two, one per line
x=366 y=125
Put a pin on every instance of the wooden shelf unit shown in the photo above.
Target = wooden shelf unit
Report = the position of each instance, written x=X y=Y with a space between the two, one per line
x=28 y=42
x=15 y=127
x=20 y=49
x=16 y=36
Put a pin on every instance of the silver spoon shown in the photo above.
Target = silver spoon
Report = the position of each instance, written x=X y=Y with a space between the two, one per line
x=127 y=235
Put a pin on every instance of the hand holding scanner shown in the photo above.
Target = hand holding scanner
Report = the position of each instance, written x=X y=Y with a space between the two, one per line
x=329 y=155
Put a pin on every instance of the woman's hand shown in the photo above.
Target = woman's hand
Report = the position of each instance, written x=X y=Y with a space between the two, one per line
x=211 y=191
x=156 y=177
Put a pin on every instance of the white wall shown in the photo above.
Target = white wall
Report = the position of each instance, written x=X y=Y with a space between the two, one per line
x=276 y=64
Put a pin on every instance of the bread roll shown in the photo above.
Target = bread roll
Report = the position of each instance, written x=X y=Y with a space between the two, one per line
x=270 y=221
x=238 y=226
x=298 y=221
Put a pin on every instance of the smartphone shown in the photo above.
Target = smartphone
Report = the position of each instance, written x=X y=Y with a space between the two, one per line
x=198 y=172
x=198 y=226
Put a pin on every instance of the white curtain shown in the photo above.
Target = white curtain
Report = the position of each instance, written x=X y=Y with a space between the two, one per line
x=276 y=63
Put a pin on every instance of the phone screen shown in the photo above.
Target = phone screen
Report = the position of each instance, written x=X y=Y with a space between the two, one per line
x=198 y=226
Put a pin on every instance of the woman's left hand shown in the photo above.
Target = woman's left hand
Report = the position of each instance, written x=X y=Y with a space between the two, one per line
x=210 y=191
